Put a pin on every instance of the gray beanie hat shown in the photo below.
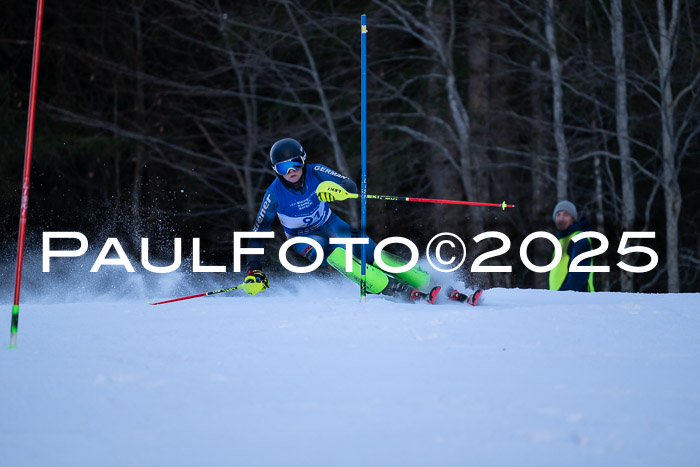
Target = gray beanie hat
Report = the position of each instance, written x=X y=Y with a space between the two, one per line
x=567 y=206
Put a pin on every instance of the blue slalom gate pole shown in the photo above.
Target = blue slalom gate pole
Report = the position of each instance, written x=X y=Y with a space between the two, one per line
x=363 y=182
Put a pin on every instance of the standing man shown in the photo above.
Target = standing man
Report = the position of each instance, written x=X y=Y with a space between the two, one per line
x=565 y=218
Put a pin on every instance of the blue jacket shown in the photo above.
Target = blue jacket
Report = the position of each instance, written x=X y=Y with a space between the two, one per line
x=298 y=208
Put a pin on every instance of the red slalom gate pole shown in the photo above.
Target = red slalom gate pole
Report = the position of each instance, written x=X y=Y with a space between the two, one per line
x=27 y=169
x=502 y=205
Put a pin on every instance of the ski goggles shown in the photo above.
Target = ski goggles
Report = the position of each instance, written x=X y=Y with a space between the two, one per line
x=284 y=167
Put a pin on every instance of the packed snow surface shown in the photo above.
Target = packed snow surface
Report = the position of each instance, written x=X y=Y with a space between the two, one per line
x=304 y=374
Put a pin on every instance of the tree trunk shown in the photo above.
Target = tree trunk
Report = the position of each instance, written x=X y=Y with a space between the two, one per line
x=445 y=180
x=332 y=132
x=478 y=97
x=603 y=279
x=457 y=111
x=246 y=85
x=139 y=107
x=540 y=211
x=622 y=119
x=672 y=191
x=557 y=105
x=460 y=118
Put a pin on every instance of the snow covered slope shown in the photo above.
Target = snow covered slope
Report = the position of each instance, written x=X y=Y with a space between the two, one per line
x=313 y=377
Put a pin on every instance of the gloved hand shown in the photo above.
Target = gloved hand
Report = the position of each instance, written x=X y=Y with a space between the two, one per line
x=256 y=281
x=330 y=191
x=327 y=197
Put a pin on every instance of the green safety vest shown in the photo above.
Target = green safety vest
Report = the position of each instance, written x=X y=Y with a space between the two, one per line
x=560 y=271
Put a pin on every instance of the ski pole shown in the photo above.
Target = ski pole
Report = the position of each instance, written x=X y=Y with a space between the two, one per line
x=340 y=194
x=198 y=295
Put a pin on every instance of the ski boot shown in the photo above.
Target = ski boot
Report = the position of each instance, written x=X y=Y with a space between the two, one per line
x=407 y=293
x=472 y=299
x=429 y=297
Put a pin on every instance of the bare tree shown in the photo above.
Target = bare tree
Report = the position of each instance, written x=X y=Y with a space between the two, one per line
x=139 y=107
x=454 y=141
x=330 y=130
x=674 y=141
x=622 y=120
x=557 y=103
x=478 y=92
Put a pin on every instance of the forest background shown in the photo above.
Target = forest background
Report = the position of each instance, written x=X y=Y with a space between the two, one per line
x=155 y=119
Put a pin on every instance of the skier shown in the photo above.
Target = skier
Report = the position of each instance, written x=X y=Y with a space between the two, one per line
x=560 y=278
x=303 y=212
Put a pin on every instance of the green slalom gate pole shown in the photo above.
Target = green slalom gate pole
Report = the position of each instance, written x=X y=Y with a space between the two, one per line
x=27 y=169
x=363 y=183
